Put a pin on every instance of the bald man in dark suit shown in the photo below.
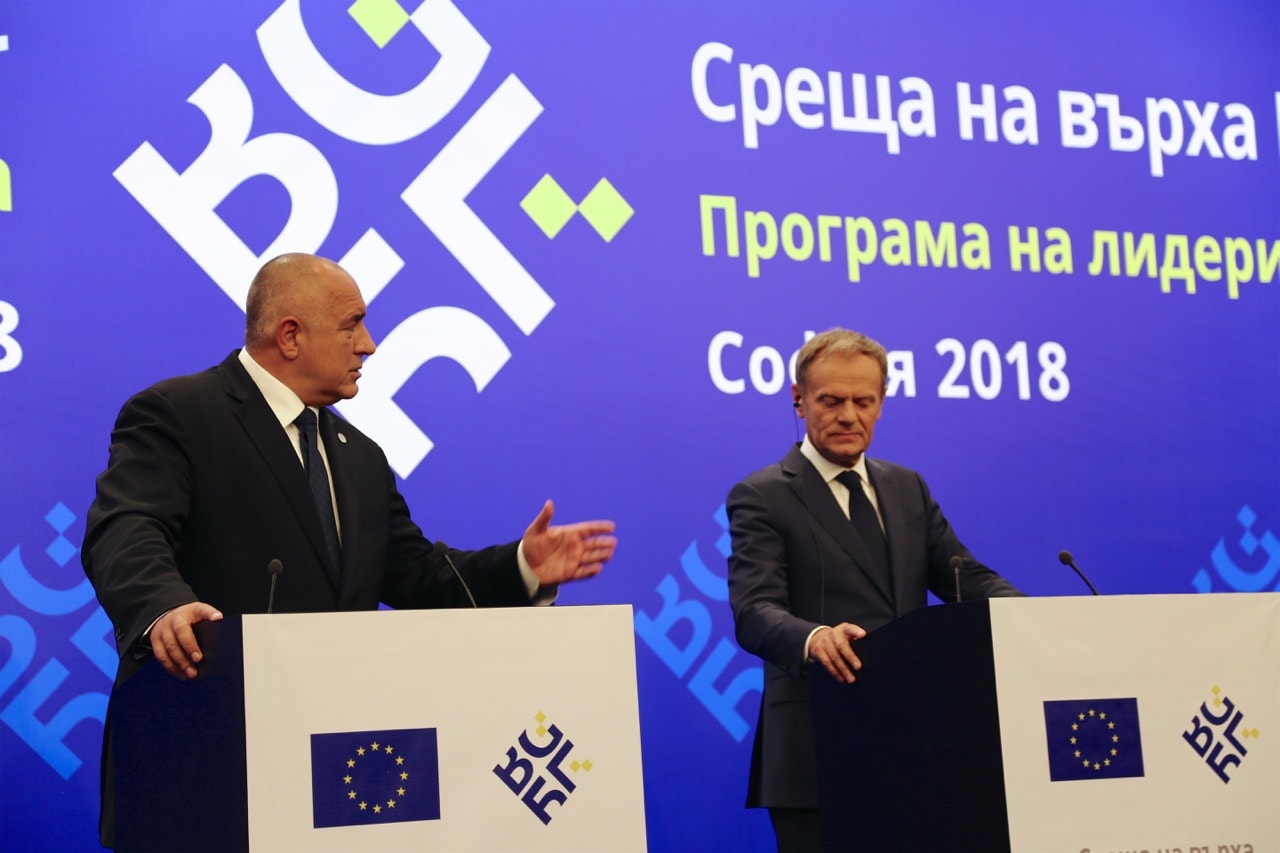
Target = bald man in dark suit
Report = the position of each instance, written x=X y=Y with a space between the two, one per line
x=212 y=476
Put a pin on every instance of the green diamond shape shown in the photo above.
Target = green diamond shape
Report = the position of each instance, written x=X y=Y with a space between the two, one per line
x=606 y=210
x=548 y=206
x=6 y=187
x=380 y=19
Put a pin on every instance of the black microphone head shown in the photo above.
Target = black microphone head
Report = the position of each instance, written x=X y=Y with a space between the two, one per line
x=439 y=548
x=1065 y=558
x=275 y=567
x=957 y=563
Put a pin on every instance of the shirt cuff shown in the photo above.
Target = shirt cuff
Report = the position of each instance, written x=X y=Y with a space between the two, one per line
x=809 y=639
x=537 y=596
x=146 y=635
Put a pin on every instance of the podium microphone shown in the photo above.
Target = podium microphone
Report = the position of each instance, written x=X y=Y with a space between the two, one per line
x=443 y=550
x=1066 y=559
x=956 y=564
x=275 y=567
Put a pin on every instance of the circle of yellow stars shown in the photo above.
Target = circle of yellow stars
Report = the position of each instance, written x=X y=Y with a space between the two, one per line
x=375 y=749
x=1094 y=716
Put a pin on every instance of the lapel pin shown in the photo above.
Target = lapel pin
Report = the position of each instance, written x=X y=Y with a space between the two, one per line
x=342 y=438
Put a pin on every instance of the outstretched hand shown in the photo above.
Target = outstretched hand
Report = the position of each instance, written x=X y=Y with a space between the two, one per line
x=567 y=552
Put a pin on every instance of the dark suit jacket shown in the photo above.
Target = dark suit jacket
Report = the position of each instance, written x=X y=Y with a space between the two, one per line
x=203 y=489
x=798 y=563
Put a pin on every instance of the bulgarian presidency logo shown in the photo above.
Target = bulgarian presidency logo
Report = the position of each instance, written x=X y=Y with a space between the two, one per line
x=359 y=778
x=1093 y=739
x=536 y=765
x=356 y=131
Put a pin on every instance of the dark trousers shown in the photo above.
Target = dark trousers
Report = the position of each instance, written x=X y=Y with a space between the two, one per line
x=798 y=830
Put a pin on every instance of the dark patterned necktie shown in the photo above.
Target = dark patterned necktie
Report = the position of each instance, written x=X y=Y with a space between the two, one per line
x=863 y=517
x=318 y=478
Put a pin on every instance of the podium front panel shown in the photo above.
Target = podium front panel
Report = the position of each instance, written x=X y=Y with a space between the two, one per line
x=443 y=730
x=1140 y=722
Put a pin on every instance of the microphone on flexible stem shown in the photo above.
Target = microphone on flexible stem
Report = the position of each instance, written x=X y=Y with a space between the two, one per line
x=1066 y=559
x=956 y=564
x=275 y=567
x=443 y=550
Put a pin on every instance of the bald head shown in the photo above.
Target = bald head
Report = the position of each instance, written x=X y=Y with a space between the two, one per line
x=304 y=323
x=288 y=285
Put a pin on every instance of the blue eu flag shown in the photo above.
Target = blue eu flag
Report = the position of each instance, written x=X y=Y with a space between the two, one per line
x=1093 y=739
x=359 y=778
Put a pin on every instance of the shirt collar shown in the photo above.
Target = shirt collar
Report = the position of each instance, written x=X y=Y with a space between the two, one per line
x=828 y=469
x=284 y=404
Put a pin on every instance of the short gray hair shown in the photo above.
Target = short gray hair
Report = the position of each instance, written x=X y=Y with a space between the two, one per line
x=839 y=341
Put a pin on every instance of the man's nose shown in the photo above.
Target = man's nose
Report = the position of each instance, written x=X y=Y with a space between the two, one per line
x=364 y=343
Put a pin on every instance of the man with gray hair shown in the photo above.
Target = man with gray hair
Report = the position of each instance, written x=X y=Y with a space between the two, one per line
x=828 y=545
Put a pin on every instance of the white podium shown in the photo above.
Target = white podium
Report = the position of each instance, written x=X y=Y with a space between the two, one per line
x=497 y=729
x=1059 y=725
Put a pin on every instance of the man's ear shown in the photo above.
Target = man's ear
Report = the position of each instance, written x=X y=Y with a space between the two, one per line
x=287 y=332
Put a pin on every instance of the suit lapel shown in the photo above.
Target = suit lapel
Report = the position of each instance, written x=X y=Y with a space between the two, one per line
x=815 y=495
x=890 y=495
x=265 y=434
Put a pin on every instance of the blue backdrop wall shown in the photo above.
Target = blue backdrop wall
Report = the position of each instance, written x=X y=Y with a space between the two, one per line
x=592 y=236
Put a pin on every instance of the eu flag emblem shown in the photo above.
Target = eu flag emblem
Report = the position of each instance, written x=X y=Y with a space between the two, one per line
x=1093 y=739
x=359 y=778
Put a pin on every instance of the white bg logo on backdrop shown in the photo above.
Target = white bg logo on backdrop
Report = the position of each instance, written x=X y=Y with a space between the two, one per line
x=185 y=203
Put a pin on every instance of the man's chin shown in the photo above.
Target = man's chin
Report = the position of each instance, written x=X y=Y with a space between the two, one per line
x=844 y=456
x=346 y=392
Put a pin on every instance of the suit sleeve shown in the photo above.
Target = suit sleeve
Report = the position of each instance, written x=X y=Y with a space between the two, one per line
x=419 y=577
x=759 y=591
x=135 y=524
